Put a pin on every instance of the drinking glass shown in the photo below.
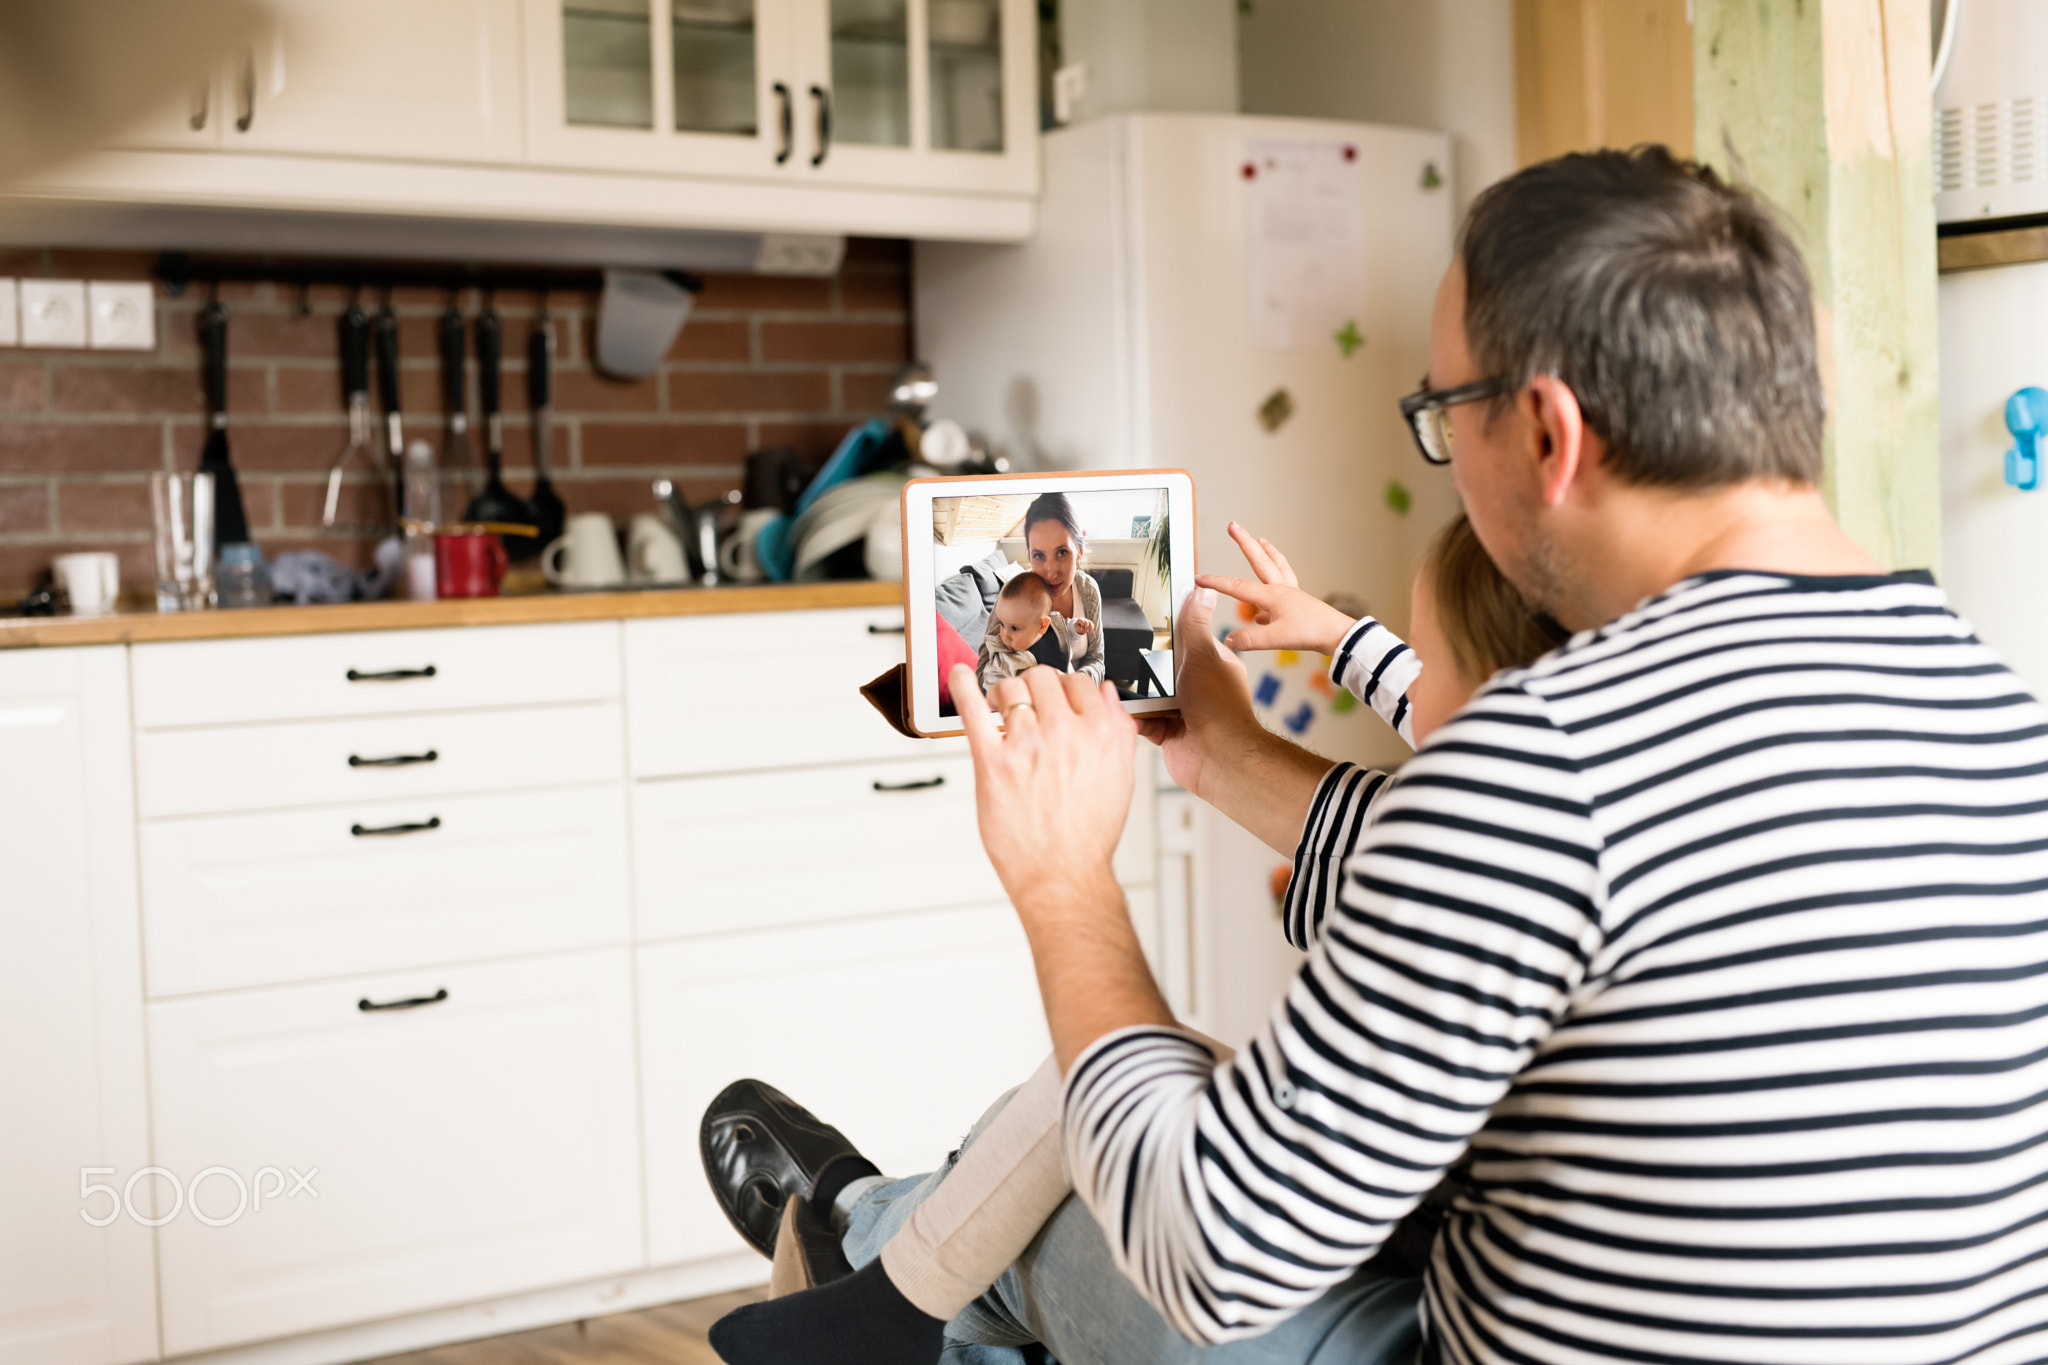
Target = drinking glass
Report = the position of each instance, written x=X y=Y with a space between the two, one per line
x=183 y=504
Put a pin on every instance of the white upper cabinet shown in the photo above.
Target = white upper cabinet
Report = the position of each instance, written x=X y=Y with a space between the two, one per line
x=402 y=80
x=905 y=94
x=424 y=80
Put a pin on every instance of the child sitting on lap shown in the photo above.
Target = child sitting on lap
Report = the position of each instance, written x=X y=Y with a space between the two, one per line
x=1023 y=612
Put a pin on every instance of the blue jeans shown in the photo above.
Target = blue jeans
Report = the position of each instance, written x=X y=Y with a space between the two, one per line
x=1066 y=1293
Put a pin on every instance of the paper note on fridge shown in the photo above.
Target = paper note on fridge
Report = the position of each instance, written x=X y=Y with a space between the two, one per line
x=1307 y=241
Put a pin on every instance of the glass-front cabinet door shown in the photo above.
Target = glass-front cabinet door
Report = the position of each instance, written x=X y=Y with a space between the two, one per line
x=922 y=93
x=938 y=94
x=903 y=94
x=685 y=85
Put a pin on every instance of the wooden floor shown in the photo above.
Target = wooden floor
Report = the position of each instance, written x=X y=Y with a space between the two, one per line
x=673 y=1334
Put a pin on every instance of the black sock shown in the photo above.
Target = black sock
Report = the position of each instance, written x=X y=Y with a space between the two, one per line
x=860 y=1320
x=839 y=1172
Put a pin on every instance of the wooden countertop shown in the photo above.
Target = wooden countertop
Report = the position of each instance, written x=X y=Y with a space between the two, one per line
x=23 y=632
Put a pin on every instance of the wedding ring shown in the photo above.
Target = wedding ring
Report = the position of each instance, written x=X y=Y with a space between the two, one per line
x=1018 y=706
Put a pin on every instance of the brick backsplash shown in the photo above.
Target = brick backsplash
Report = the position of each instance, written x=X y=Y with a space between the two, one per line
x=764 y=360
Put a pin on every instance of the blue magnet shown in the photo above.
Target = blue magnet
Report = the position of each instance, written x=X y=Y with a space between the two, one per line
x=1268 y=689
x=2026 y=417
x=1300 y=719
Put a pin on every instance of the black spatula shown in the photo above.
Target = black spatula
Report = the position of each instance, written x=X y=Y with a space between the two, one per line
x=231 y=523
x=496 y=502
x=548 y=512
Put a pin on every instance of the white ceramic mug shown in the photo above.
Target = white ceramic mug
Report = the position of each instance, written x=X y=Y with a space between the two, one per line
x=586 y=555
x=740 y=558
x=91 y=581
x=654 y=554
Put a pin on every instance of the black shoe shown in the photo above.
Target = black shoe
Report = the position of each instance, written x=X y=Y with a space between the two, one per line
x=760 y=1147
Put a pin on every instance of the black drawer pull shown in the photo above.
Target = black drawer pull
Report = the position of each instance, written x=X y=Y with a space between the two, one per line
x=885 y=630
x=411 y=1002
x=926 y=785
x=395 y=761
x=368 y=831
x=393 y=674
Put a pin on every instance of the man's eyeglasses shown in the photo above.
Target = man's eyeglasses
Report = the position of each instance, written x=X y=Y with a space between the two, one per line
x=1427 y=411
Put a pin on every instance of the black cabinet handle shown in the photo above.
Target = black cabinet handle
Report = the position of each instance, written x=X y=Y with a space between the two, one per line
x=248 y=114
x=884 y=630
x=788 y=122
x=393 y=674
x=823 y=97
x=374 y=831
x=395 y=761
x=926 y=785
x=411 y=1002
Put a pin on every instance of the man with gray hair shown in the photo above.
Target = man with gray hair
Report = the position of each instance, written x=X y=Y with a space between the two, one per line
x=1716 y=940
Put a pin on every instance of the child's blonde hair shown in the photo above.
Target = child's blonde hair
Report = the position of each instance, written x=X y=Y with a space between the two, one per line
x=1484 y=621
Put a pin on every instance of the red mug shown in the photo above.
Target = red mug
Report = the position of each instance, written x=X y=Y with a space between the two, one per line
x=468 y=564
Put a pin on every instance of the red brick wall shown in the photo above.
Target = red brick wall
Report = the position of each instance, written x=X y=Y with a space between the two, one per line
x=764 y=360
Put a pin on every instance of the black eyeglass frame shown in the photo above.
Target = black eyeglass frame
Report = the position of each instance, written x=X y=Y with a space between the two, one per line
x=1416 y=407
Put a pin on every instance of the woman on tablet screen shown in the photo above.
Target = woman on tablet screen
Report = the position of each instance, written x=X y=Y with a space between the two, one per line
x=1053 y=550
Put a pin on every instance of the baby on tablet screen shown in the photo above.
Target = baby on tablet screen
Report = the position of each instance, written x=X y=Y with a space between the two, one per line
x=1023 y=612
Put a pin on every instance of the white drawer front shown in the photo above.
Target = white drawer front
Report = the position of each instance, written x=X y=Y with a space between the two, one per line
x=901 y=1032
x=228 y=682
x=474 y=1147
x=308 y=763
x=716 y=854
x=257 y=899
x=711 y=694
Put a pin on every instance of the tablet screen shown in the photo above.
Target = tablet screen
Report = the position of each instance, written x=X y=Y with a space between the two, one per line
x=1077 y=579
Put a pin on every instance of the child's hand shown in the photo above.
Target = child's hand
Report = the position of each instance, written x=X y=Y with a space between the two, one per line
x=1286 y=617
x=1082 y=627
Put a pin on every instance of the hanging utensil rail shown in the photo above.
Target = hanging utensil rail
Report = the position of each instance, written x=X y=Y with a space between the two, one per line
x=177 y=270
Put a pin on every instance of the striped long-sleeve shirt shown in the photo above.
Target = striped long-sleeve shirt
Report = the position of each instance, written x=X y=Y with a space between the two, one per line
x=1720 y=937
x=1376 y=666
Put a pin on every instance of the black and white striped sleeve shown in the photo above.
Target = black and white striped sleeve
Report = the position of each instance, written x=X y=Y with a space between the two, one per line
x=1231 y=1194
x=1376 y=666
x=1336 y=820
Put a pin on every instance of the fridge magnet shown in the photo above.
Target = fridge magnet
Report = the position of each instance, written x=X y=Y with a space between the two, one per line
x=1349 y=338
x=1432 y=178
x=1267 y=690
x=1274 y=412
x=1301 y=719
x=1399 y=499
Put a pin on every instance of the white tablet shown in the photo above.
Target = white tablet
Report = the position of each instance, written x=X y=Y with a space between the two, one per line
x=1079 y=572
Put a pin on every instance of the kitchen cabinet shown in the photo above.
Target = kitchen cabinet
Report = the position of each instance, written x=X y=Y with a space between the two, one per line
x=773 y=690
x=897 y=1031
x=649 y=857
x=417 y=80
x=297 y=895
x=71 y=1038
x=586 y=119
x=478 y=1143
x=911 y=94
x=844 y=842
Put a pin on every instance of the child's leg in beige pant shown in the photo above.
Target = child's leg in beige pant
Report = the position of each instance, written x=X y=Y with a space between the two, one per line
x=989 y=1206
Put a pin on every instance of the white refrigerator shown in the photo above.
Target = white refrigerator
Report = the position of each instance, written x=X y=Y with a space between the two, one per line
x=1247 y=299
